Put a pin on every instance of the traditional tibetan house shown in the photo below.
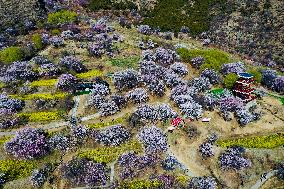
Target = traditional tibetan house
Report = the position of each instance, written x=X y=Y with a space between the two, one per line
x=244 y=87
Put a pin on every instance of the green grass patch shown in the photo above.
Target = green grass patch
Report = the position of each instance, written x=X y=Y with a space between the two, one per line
x=45 y=96
x=15 y=169
x=41 y=116
x=113 y=122
x=214 y=58
x=44 y=83
x=90 y=74
x=110 y=154
x=267 y=142
x=217 y=92
x=131 y=62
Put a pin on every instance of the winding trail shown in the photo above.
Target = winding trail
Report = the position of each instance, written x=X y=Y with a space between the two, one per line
x=261 y=181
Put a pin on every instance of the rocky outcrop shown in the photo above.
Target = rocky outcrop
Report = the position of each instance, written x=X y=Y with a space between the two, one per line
x=16 y=12
x=251 y=27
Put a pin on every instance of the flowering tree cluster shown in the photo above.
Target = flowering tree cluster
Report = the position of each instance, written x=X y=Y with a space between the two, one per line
x=10 y=104
x=202 y=182
x=268 y=77
x=230 y=104
x=161 y=112
x=171 y=79
x=233 y=159
x=49 y=70
x=81 y=171
x=237 y=67
x=8 y=119
x=96 y=100
x=67 y=34
x=153 y=139
x=56 y=41
x=192 y=109
x=109 y=108
x=113 y=136
x=197 y=61
x=201 y=84
x=209 y=101
x=278 y=84
x=245 y=116
x=66 y=82
x=155 y=85
x=28 y=143
x=103 y=45
x=137 y=95
x=73 y=64
x=19 y=71
x=170 y=163
x=123 y=22
x=39 y=176
x=145 y=29
x=100 y=89
x=100 y=26
x=78 y=135
x=40 y=60
x=126 y=79
x=149 y=68
x=165 y=57
x=179 y=68
x=212 y=75
x=59 y=142
x=119 y=100
x=206 y=149
x=131 y=164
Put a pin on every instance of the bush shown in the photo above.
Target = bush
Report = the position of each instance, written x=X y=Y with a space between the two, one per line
x=16 y=169
x=66 y=82
x=236 y=67
x=233 y=159
x=202 y=182
x=55 y=32
x=36 y=39
x=214 y=58
x=71 y=63
x=256 y=75
x=230 y=80
x=11 y=54
x=62 y=17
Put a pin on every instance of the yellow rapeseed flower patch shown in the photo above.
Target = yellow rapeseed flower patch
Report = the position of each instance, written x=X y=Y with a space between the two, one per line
x=44 y=83
x=42 y=116
x=44 y=96
x=89 y=74
x=268 y=142
x=109 y=154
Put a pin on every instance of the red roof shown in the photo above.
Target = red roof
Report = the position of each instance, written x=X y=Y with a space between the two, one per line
x=176 y=121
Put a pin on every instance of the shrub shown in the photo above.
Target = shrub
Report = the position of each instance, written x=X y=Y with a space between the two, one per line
x=256 y=75
x=268 y=77
x=8 y=119
x=230 y=104
x=230 y=80
x=206 y=149
x=62 y=17
x=201 y=84
x=192 y=110
x=11 y=54
x=28 y=143
x=197 y=61
x=39 y=176
x=146 y=112
x=57 y=41
x=165 y=57
x=179 y=68
x=55 y=32
x=153 y=139
x=214 y=58
x=145 y=29
x=108 y=108
x=36 y=39
x=266 y=141
x=16 y=169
